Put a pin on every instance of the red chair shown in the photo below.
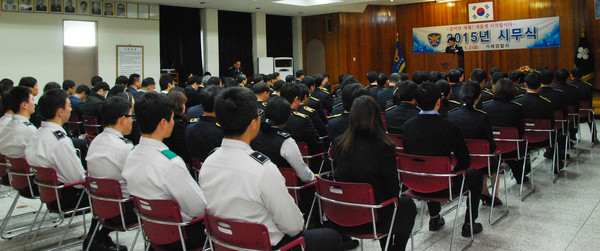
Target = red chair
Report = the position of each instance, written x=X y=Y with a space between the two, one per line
x=383 y=121
x=561 y=124
x=306 y=156
x=397 y=138
x=161 y=221
x=91 y=127
x=234 y=235
x=196 y=166
x=291 y=182
x=74 y=124
x=106 y=202
x=21 y=179
x=427 y=174
x=587 y=113
x=50 y=191
x=4 y=179
x=540 y=131
x=352 y=205
x=507 y=140
x=479 y=150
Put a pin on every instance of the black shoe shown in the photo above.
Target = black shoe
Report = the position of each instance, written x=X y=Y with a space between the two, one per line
x=466 y=230
x=348 y=243
x=549 y=153
x=485 y=199
x=436 y=223
x=518 y=179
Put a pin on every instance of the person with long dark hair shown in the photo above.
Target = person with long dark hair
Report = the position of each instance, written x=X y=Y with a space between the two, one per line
x=365 y=154
x=446 y=104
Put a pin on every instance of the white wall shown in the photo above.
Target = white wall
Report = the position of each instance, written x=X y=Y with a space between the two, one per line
x=31 y=45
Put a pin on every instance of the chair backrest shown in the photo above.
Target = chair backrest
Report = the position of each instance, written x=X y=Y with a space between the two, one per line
x=397 y=138
x=584 y=108
x=3 y=166
x=100 y=189
x=46 y=177
x=238 y=235
x=303 y=148
x=536 y=130
x=421 y=166
x=559 y=118
x=343 y=215
x=159 y=210
x=291 y=179
x=19 y=166
x=74 y=123
x=505 y=139
x=90 y=125
x=196 y=163
x=383 y=121
x=572 y=112
x=478 y=149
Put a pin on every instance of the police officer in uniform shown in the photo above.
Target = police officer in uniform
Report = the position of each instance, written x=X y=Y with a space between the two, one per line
x=154 y=172
x=312 y=113
x=387 y=94
x=585 y=94
x=244 y=185
x=340 y=122
x=261 y=91
x=320 y=93
x=235 y=70
x=204 y=134
x=454 y=48
x=15 y=136
x=396 y=116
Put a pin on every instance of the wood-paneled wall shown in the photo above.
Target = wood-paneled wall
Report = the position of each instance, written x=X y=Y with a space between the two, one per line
x=369 y=37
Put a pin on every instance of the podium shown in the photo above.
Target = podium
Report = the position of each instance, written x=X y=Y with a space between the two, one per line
x=443 y=62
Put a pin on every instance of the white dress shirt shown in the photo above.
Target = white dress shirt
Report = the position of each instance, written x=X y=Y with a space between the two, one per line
x=106 y=156
x=4 y=120
x=153 y=172
x=244 y=185
x=50 y=147
x=291 y=153
x=14 y=138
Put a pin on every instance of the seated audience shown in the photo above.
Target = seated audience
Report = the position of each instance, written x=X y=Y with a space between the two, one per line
x=365 y=154
x=312 y=113
x=192 y=92
x=204 y=134
x=244 y=185
x=16 y=134
x=585 y=94
x=428 y=134
x=134 y=84
x=300 y=125
x=397 y=115
x=339 y=123
x=166 y=83
x=152 y=160
x=446 y=104
x=92 y=106
x=176 y=142
x=387 y=94
x=77 y=99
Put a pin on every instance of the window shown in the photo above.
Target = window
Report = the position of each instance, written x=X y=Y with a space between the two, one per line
x=79 y=33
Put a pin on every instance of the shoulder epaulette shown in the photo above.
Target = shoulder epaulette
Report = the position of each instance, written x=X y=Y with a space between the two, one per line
x=59 y=134
x=516 y=103
x=126 y=140
x=546 y=99
x=259 y=157
x=335 y=106
x=300 y=115
x=334 y=116
x=488 y=92
x=480 y=111
x=218 y=125
x=391 y=107
x=586 y=83
x=315 y=99
x=264 y=104
x=283 y=134
x=27 y=123
x=308 y=109
x=454 y=109
x=558 y=90
x=324 y=90
x=169 y=154
x=487 y=101
x=518 y=96
x=194 y=120
x=454 y=101
x=336 y=98
x=574 y=86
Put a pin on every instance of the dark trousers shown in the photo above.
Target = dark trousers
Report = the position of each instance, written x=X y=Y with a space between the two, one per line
x=403 y=224
x=195 y=238
x=516 y=166
x=473 y=183
x=319 y=239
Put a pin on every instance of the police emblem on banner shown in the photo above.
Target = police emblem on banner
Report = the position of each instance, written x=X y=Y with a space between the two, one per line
x=434 y=39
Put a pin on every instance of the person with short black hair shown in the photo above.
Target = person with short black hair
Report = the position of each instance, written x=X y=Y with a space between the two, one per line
x=585 y=95
x=213 y=81
x=92 y=106
x=31 y=83
x=134 y=84
x=116 y=90
x=108 y=152
x=230 y=171
x=77 y=99
x=289 y=78
x=261 y=91
x=236 y=69
x=203 y=133
x=151 y=160
x=304 y=108
x=428 y=134
x=299 y=76
x=517 y=79
x=454 y=77
x=148 y=85
x=95 y=80
x=16 y=134
x=454 y=48
x=166 y=83
x=572 y=93
x=192 y=91
x=387 y=94
x=325 y=98
x=397 y=115
x=50 y=86
x=121 y=80
x=300 y=125
x=51 y=147
x=69 y=86
x=339 y=123
x=486 y=93
x=446 y=104
x=276 y=86
x=559 y=101
x=373 y=87
x=242 y=80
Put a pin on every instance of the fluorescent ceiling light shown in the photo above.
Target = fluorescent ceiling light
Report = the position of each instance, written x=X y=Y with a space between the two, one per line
x=307 y=3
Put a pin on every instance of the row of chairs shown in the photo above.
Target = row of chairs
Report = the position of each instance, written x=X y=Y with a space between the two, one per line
x=86 y=125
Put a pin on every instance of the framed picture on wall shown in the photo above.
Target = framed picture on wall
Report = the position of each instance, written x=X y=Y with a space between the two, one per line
x=41 y=6
x=69 y=6
x=132 y=10
x=10 y=5
x=121 y=10
x=108 y=9
x=154 y=12
x=96 y=8
x=143 y=11
x=25 y=6
x=597 y=6
x=56 y=6
x=83 y=7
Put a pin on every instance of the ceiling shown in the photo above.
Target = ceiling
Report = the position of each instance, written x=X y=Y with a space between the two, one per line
x=270 y=7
